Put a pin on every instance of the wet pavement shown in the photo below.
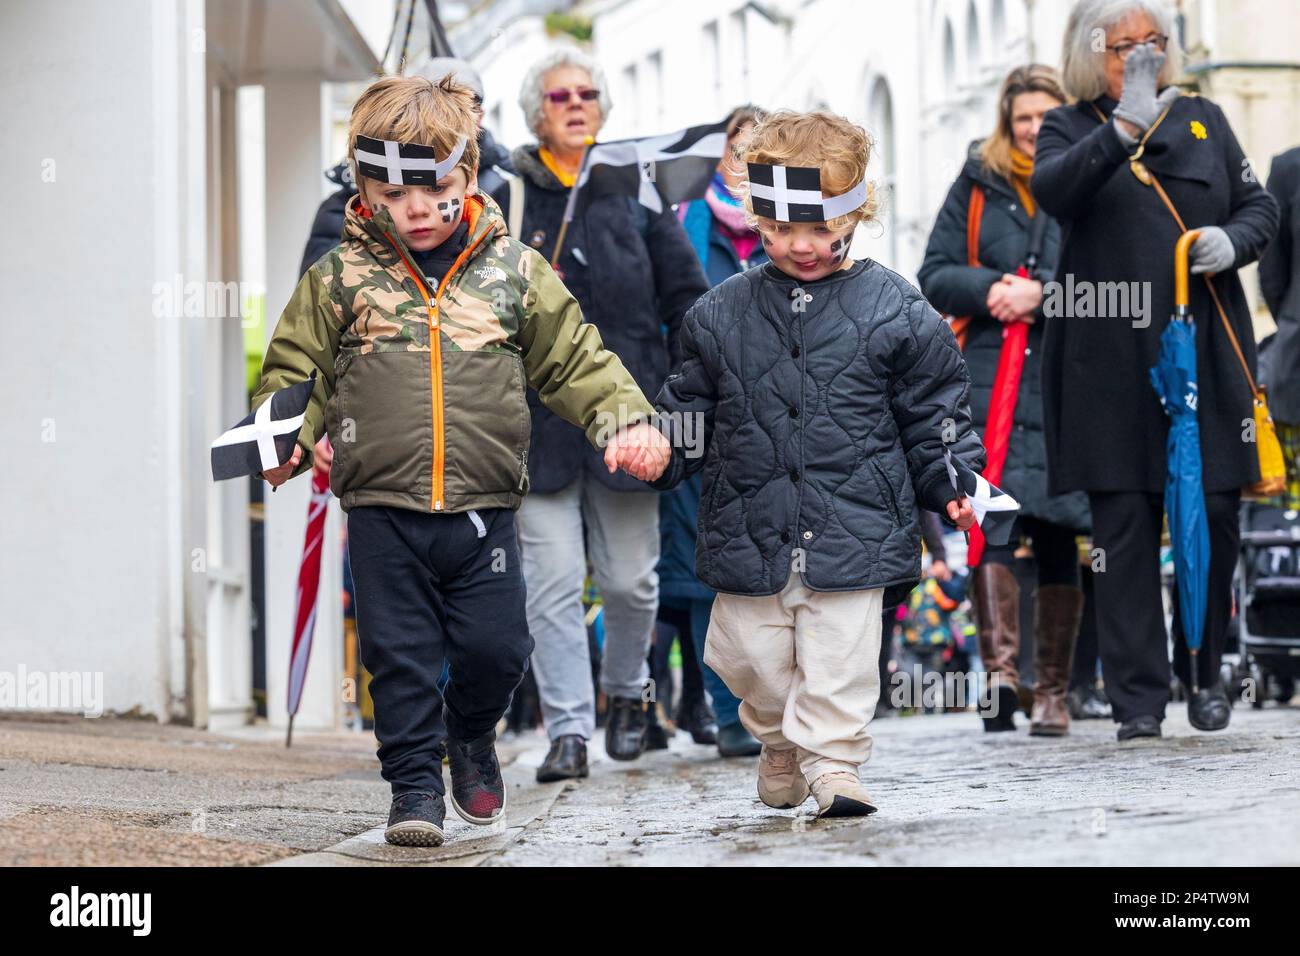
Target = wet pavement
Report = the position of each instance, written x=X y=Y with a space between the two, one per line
x=121 y=792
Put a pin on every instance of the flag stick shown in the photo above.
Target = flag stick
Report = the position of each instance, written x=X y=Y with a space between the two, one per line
x=288 y=740
x=569 y=206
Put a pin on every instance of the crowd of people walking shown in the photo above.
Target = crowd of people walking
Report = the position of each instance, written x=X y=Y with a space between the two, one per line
x=776 y=560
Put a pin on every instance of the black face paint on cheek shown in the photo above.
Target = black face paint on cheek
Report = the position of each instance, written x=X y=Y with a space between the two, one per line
x=839 y=249
x=450 y=210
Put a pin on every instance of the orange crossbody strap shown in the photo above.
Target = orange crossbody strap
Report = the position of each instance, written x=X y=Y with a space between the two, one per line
x=974 y=213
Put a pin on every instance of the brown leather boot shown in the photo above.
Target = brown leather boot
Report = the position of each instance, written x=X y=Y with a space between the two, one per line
x=997 y=618
x=1058 y=609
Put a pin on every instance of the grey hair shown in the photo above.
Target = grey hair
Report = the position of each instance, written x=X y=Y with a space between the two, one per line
x=530 y=93
x=1082 y=70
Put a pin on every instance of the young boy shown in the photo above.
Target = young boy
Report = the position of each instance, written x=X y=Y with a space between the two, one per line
x=828 y=390
x=425 y=326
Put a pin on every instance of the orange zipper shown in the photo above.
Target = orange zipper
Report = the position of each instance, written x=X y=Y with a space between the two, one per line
x=435 y=358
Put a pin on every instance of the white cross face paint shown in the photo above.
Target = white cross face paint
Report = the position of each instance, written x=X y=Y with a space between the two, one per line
x=840 y=249
x=450 y=210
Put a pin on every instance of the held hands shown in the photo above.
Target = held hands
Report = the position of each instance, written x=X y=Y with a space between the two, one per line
x=641 y=450
x=1014 y=299
x=961 y=513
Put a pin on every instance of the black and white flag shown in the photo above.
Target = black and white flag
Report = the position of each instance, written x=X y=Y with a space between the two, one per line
x=657 y=171
x=995 y=510
x=265 y=438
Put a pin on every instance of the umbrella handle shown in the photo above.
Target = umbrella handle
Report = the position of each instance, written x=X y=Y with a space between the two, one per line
x=1182 y=299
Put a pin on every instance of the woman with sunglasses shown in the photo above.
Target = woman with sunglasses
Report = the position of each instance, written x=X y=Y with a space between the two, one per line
x=1104 y=425
x=635 y=274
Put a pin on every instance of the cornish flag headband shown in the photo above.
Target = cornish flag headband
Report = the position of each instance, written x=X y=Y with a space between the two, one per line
x=794 y=194
x=265 y=438
x=403 y=164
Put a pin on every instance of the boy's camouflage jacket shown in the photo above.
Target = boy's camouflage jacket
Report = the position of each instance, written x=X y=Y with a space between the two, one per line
x=441 y=428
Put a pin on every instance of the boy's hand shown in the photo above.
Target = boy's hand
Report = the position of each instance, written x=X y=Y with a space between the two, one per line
x=961 y=513
x=324 y=456
x=275 y=477
x=641 y=450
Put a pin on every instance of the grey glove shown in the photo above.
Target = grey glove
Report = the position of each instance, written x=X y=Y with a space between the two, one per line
x=1212 y=251
x=1163 y=101
x=1137 y=103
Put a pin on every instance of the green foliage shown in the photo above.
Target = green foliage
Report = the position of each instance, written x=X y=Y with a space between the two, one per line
x=575 y=26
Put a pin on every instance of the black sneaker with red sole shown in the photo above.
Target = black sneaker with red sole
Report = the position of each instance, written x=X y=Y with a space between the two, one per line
x=478 y=794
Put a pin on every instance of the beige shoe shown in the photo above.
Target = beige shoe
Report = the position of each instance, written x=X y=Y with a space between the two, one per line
x=841 y=794
x=780 y=781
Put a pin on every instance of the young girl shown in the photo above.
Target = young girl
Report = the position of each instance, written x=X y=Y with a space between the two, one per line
x=828 y=390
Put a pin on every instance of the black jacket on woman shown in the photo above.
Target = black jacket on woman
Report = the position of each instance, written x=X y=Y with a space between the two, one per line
x=954 y=287
x=1279 y=280
x=1105 y=428
x=634 y=273
x=825 y=425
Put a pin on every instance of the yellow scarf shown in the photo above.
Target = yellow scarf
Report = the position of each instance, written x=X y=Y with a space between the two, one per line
x=1022 y=167
x=548 y=159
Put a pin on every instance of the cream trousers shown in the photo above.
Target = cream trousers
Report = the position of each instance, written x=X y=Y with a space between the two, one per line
x=805 y=665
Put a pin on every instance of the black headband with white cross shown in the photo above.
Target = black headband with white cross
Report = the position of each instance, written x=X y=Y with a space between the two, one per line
x=404 y=164
x=794 y=194
x=265 y=438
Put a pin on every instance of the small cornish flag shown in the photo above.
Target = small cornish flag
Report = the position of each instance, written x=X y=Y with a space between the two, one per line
x=657 y=171
x=995 y=510
x=265 y=438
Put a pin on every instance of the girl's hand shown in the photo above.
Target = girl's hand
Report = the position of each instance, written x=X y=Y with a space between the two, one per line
x=275 y=477
x=961 y=513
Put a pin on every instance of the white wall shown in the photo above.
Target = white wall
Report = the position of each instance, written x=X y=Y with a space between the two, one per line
x=94 y=557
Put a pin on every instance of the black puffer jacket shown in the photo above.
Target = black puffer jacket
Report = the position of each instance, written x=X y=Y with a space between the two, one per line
x=954 y=287
x=824 y=428
x=634 y=273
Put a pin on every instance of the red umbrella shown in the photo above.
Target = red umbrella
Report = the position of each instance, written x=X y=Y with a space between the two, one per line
x=1006 y=387
x=304 y=617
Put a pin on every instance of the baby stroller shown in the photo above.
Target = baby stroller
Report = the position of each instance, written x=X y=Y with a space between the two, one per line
x=1267 y=592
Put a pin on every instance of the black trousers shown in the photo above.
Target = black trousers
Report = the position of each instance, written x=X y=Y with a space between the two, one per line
x=430 y=590
x=1055 y=553
x=1130 y=614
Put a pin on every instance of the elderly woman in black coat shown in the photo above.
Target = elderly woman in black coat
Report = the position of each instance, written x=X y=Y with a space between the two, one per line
x=990 y=294
x=635 y=274
x=1105 y=427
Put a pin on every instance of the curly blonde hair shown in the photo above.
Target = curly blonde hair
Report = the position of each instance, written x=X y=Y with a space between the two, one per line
x=415 y=109
x=839 y=148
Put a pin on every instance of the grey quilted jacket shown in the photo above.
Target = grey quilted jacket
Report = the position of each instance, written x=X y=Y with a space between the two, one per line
x=825 y=409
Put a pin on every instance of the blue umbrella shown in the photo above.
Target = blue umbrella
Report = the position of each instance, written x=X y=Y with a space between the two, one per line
x=1174 y=379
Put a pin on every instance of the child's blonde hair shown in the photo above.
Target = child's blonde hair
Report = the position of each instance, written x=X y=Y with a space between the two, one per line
x=415 y=109
x=840 y=149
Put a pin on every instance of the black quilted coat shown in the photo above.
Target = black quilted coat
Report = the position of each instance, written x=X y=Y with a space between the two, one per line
x=825 y=408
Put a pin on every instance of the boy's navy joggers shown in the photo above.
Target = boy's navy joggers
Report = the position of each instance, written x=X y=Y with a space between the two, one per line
x=429 y=588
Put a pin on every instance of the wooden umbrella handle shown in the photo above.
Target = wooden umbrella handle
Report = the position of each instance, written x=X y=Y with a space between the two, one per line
x=1181 y=295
